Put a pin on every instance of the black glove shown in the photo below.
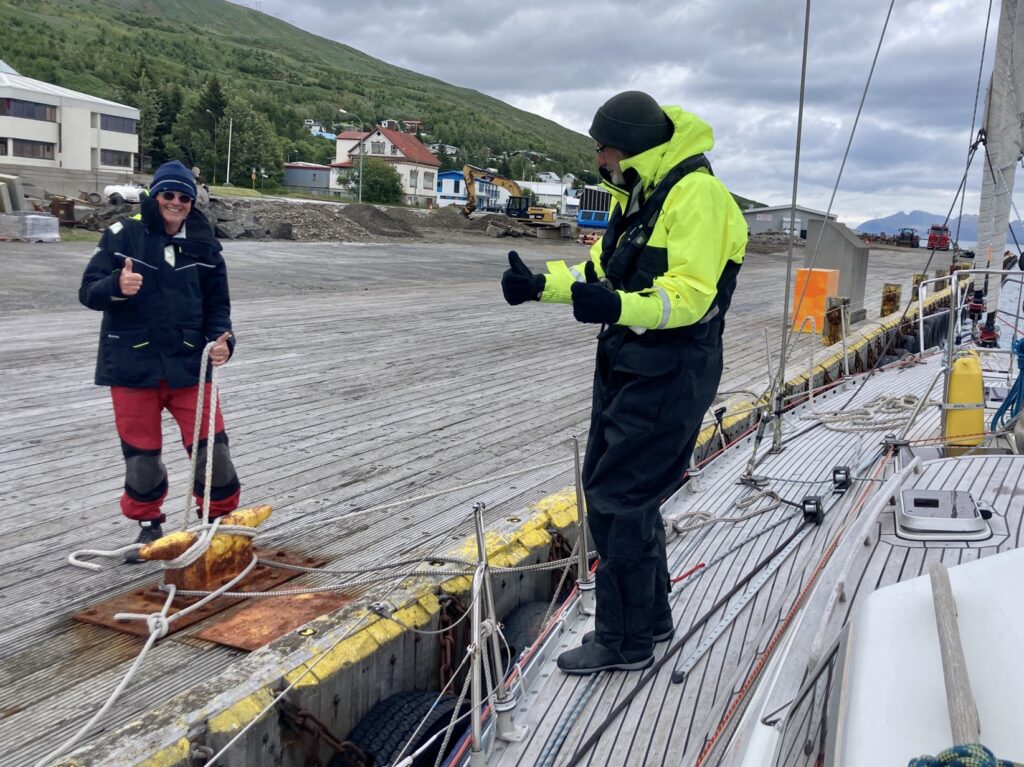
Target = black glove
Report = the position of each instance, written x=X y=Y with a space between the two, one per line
x=150 y=211
x=593 y=302
x=518 y=283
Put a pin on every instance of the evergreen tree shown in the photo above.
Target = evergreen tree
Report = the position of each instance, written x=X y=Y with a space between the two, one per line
x=381 y=182
x=148 y=100
x=254 y=144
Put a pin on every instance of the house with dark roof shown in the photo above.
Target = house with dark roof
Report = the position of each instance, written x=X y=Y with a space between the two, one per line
x=415 y=164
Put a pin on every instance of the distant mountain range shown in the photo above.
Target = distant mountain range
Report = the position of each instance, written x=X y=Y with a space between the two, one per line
x=921 y=220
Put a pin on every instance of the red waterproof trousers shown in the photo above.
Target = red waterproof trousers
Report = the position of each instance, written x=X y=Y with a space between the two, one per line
x=137 y=413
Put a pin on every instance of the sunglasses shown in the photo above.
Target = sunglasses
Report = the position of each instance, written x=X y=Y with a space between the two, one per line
x=600 y=148
x=172 y=196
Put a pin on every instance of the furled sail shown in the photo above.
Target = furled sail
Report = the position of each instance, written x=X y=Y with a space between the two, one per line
x=1004 y=128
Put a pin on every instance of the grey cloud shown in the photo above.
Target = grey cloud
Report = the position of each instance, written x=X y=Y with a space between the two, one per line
x=735 y=63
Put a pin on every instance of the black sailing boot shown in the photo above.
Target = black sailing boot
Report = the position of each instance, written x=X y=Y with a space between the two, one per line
x=592 y=657
x=151 y=531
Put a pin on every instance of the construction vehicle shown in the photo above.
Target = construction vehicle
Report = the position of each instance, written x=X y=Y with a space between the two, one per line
x=908 y=237
x=938 y=237
x=518 y=206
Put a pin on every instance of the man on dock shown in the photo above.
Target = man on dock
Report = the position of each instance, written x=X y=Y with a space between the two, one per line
x=659 y=283
x=160 y=281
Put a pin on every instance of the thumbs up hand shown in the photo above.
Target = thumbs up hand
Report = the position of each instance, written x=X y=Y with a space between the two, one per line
x=129 y=282
x=221 y=351
x=518 y=283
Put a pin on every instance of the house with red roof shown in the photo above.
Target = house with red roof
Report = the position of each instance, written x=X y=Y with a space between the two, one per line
x=416 y=165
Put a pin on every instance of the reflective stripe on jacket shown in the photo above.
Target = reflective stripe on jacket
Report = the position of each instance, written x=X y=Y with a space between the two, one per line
x=699 y=230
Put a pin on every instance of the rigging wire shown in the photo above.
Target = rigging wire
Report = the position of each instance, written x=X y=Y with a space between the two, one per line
x=974 y=111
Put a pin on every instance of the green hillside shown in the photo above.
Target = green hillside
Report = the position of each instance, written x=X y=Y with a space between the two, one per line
x=101 y=47
x=193 y=66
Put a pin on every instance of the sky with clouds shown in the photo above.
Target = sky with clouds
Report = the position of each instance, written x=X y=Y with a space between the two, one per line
x=733 y=62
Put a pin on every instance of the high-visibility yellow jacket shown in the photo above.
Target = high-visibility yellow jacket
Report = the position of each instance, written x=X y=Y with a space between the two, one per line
x=699 y=230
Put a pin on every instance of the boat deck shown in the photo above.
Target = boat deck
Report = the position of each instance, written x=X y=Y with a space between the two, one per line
x=669 y=723
x=378 y=390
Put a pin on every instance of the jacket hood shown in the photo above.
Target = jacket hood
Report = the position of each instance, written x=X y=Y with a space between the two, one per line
x=692 y=136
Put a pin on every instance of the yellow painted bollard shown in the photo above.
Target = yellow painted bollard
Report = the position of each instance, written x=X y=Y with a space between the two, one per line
x=891 y=294
x=834 y=319
x=917 y=280
x=227 y=555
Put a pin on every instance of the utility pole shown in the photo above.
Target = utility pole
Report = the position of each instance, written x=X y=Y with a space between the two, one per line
x=231 y=125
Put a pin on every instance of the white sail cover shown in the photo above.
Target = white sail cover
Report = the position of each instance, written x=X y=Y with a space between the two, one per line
x=1004 y=128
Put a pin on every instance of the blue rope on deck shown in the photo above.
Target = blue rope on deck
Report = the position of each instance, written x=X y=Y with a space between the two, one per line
x=1015 y=399
x=970 y=755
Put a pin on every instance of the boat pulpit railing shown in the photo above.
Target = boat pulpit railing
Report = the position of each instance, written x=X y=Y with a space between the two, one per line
x=485 y=632
x=584 y=581
x=964 y=276
x=958 y=279
x=922 y=291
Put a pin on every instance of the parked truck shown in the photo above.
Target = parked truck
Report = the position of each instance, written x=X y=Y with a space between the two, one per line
x=938 y=237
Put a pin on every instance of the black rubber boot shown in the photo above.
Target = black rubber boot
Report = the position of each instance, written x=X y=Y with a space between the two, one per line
x=591 y=657
x=151 y=531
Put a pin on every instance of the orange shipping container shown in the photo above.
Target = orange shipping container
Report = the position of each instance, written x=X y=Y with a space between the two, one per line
x=821 y=283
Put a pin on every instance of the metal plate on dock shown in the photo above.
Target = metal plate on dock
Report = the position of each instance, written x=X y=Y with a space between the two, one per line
x=265 y=620
x=151 y=599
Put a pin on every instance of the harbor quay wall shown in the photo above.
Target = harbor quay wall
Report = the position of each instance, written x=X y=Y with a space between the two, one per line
x=340 y=665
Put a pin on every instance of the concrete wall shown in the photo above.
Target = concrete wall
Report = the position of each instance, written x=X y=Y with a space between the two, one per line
x=70 y=182
x=840 y=249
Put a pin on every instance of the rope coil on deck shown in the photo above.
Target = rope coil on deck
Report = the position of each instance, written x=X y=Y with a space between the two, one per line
x=882 y=413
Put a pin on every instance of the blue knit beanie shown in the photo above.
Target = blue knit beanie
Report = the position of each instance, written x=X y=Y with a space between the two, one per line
x=175 y=177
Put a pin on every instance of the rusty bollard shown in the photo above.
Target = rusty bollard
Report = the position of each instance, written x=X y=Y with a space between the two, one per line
x=891 y=293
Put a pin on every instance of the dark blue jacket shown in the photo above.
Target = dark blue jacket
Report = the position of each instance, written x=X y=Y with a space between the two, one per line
x=159 y=333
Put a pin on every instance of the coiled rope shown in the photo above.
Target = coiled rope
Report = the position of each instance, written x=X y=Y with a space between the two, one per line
x=968 y=755
x=882 y=413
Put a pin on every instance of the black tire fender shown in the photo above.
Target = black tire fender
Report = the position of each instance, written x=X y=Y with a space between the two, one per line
x=384 y=730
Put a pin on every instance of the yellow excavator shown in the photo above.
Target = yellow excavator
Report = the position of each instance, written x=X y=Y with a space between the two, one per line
x=517 y=206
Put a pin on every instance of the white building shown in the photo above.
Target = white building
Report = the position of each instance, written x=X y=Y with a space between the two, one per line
x=47 y=127
x=415 y=164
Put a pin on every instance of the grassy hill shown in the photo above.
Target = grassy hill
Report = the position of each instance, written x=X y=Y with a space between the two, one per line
x=100 y=47
x=97 y=46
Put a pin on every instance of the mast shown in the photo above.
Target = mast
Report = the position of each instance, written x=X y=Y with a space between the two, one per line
x=1004 y=130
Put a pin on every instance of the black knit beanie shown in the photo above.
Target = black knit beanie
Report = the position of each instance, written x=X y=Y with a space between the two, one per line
x=632 y=122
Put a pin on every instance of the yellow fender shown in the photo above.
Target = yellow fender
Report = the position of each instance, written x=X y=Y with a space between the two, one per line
x=965 y=402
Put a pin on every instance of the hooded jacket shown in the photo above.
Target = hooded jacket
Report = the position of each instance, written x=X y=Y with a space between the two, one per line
x=700 y=229
x=159 y=333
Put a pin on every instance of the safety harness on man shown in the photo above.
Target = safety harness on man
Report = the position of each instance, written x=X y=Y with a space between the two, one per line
x=621 y=263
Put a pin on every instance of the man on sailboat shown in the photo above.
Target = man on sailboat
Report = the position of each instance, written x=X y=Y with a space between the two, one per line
x=659 y=283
